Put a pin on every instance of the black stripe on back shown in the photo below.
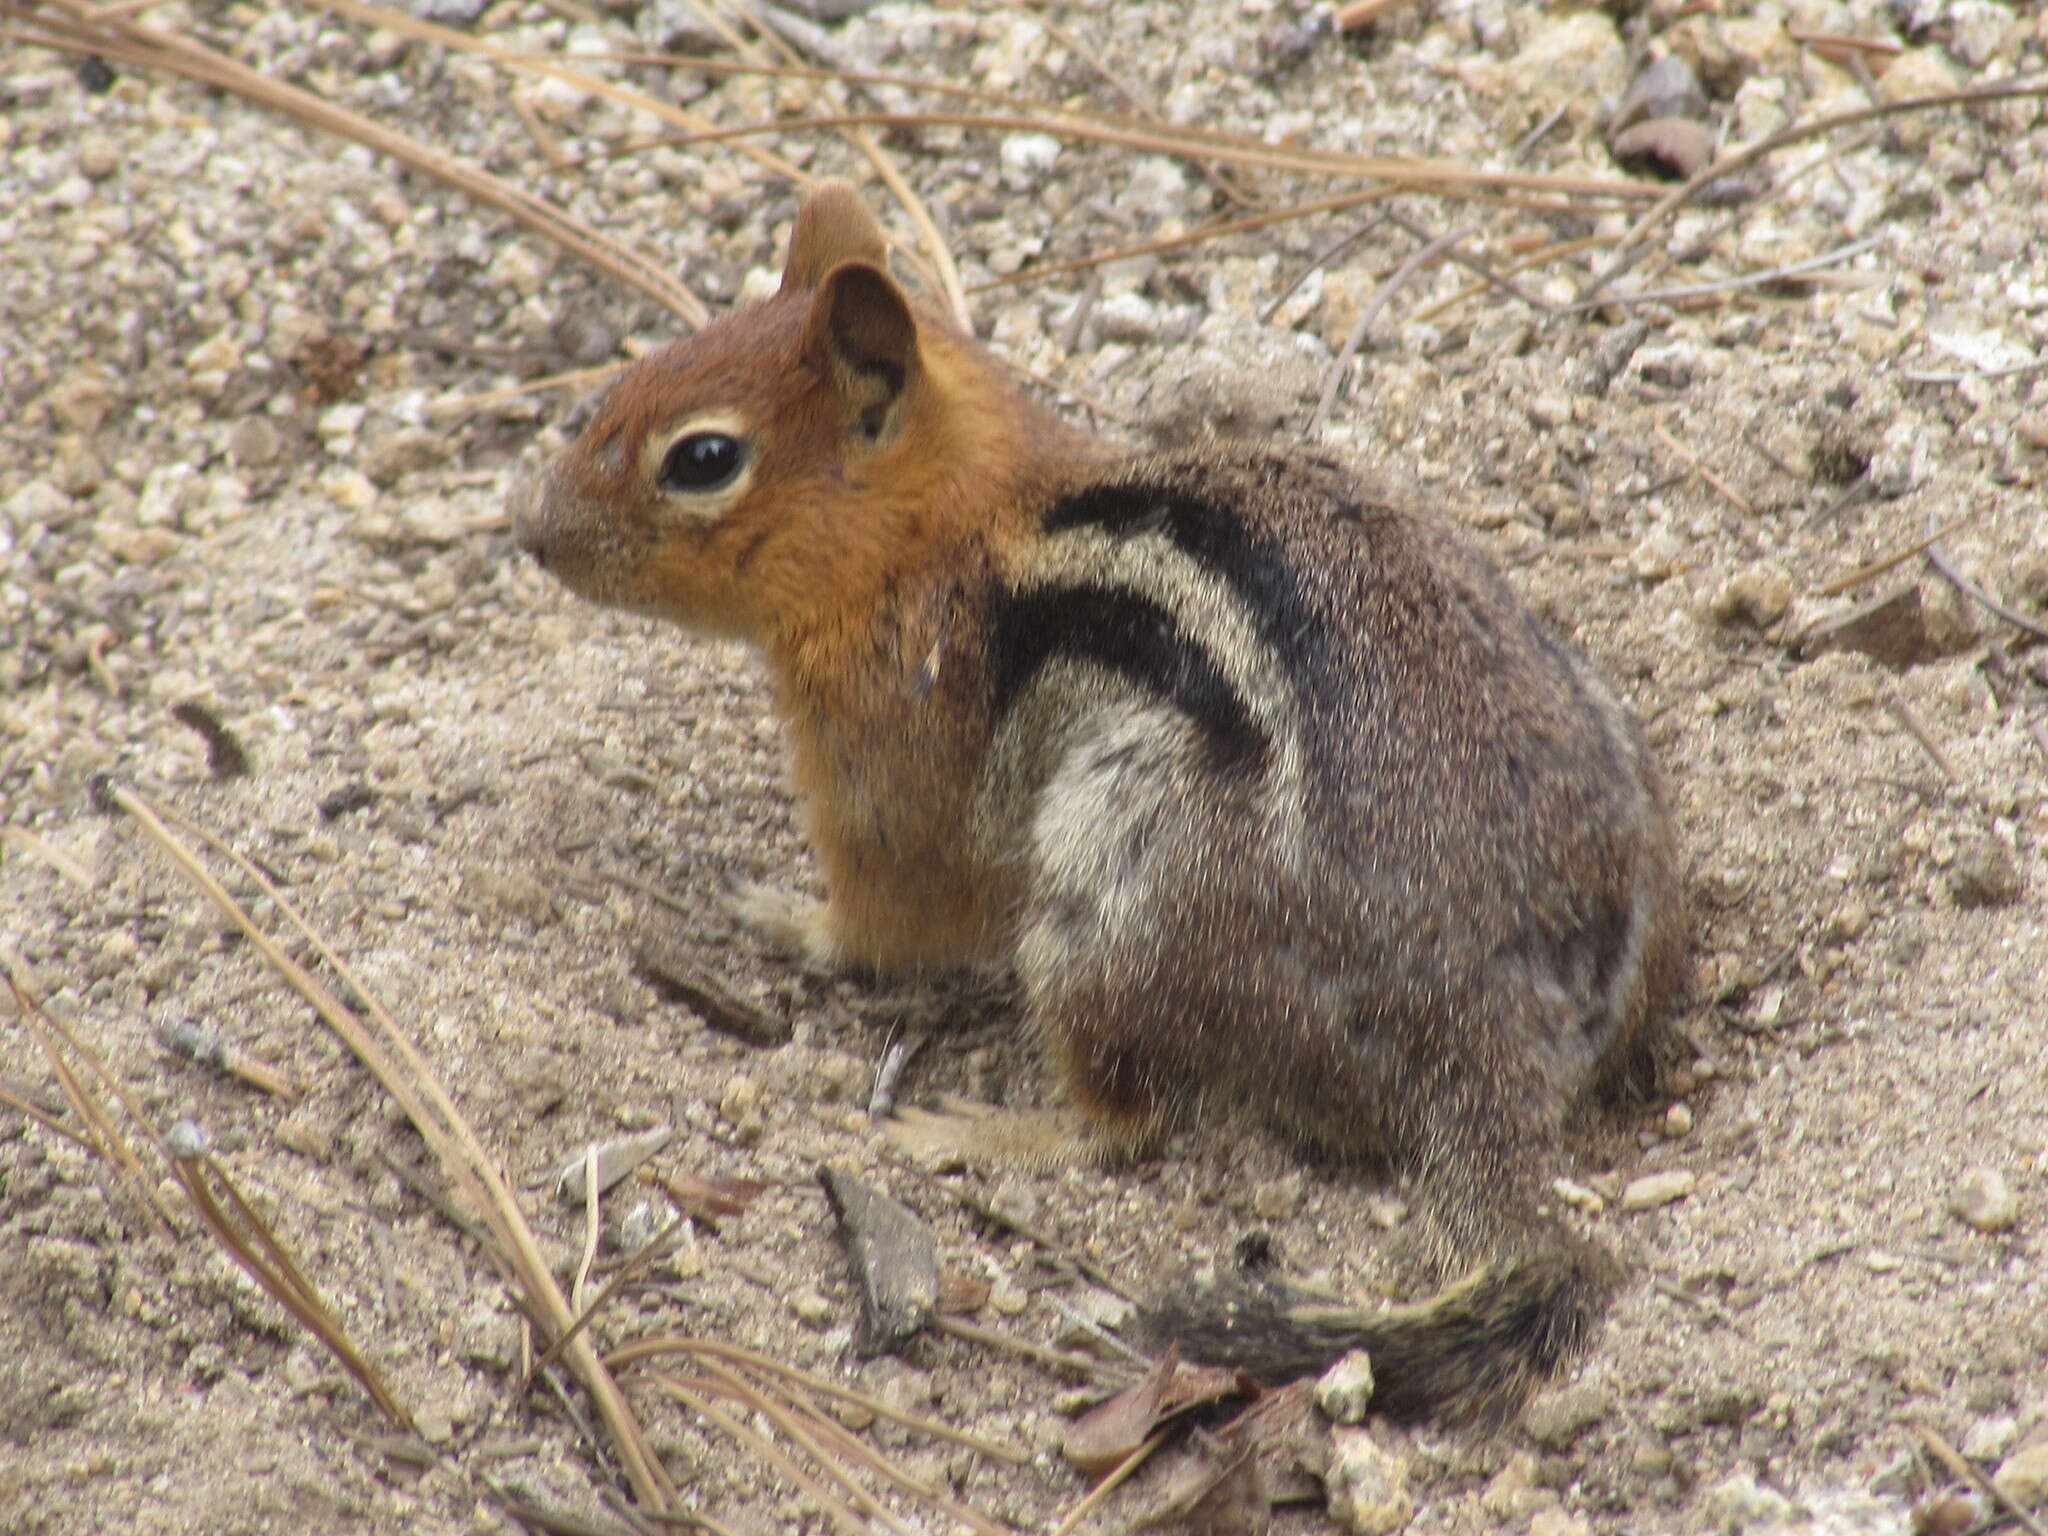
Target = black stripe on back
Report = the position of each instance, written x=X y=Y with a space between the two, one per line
x=1220 y=539
x=1134 y=638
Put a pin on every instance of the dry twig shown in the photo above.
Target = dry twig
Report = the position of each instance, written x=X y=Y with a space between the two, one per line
x=74 y=26
x=440 y=1123
x=1727 y=491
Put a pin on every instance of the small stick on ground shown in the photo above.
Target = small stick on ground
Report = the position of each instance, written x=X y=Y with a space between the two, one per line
x=1727 y=492
x=1897 y=557
x=1017 y=1224
x=1632 y=242
x=1317 y=262
x=46 y=1120
x=1056 y=1359
x=1970 y=589
x=1366 y=316
x=1959 y=1465
x=640 y=1259
x=543 y=140
x=207 y=1046
x=1482 y=269
x=1109 y=1484
x=1832 y=258
x=1910 y=724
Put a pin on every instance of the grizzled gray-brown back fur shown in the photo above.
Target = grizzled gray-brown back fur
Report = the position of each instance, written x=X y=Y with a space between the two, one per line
x=1324 y=828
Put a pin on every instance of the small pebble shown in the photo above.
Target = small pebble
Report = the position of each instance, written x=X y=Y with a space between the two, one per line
x=1982 y=1199
x=1655 y=1189
x=1556 y=1419
x=1367 y=1485
x=1847 y=922
x=1990 y=1438
x=1008 y=1297
x=1984 y=875
x=2024 y=1476
x=1577 y=1196
x=1344 y=1392
x=1878 y=1262
x=812 y=1308
x=1757 y=595
x=1275 y=1199
x=742 y=1095
x=1678 y=1121
x=1740 y=1503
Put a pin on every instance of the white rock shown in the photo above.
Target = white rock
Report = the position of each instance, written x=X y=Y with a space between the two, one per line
x=1984 y=1200
x=1739 y=1504
x=1028 y=158
x=1345 y=1391
x=1655 y=1189
x=38 y=504
x=1367 y=1485
x=1992 y=1437
x=2024 y=1476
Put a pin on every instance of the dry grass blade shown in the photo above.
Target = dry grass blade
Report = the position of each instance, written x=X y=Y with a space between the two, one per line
x=638 y=1261
x=266 y=1261
x=715 y=1349
x=594 y=85
x=791 y=1419
x=1955 y=578
x=1370 y=313
x=101 y=1135
x=1741 y=159
x=1727 y=492
x=941 y=271
x=419 y=1092
x=695 y=1396
x=1109 y=1484
x=1086 y=1366
x=1203 y=147
x=47 y=1121
x=1959 y=1466
x=1200 y=236
x=817 y=1424
x=1897 y=557
x=1832 y=258
x=75 y=27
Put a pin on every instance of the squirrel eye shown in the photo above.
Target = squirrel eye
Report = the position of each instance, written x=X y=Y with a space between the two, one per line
x=702 y=461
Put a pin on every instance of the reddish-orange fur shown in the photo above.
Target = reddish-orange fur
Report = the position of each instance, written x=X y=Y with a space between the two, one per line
x=817 y=545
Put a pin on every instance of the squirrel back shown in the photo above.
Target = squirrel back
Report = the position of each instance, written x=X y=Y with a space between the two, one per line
x=1278 y=801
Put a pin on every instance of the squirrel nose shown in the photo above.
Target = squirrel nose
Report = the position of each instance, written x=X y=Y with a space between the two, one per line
x=526 y=505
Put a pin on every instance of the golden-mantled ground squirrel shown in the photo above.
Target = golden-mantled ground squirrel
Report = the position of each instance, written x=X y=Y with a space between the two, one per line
x=1279 y=803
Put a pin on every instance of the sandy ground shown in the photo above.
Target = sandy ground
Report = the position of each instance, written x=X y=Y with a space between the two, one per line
x=226 y=479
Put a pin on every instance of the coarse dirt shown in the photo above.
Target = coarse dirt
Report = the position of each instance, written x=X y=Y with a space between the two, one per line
x=231 y=477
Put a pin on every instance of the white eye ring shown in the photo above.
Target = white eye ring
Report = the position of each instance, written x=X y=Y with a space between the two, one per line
x=703 y=465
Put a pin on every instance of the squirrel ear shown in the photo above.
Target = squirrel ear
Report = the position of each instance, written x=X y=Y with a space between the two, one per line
x=833 y=226
x=862 y=332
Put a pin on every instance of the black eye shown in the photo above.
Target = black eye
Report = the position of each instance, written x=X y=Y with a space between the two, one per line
x=702 y=461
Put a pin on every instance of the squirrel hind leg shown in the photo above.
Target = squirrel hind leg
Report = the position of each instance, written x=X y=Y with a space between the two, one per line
x=962 y=1131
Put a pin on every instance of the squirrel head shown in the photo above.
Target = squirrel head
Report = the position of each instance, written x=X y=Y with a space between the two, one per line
x=786 y=461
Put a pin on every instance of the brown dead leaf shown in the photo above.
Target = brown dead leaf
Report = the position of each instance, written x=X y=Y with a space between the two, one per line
x=960 y=1292
x=706 y=1200
x=1109 y=1432
x=1675 y=148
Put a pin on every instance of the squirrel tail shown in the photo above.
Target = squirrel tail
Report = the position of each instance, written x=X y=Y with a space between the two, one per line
x=1470 y=1354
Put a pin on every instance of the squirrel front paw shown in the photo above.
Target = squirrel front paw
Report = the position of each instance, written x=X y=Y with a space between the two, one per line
x=788 y=923
x=965 y=1133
